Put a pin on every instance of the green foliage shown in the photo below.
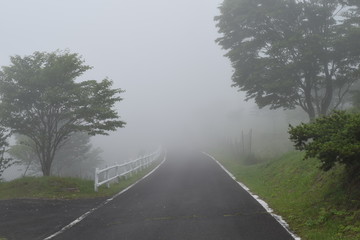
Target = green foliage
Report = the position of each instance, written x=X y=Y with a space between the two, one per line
x=40 y=99
x=289 y=54
x=314 y=203
x=332 y=139
x=76 y=157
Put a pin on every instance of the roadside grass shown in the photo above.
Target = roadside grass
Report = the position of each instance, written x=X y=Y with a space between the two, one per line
x=316 y=204
x=64 y=188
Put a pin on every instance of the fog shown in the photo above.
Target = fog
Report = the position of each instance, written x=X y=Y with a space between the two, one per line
x=163 y=53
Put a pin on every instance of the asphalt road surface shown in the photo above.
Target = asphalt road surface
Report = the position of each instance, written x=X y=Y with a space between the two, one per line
x=189 y=198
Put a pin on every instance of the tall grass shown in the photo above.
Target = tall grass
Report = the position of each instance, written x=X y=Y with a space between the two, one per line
x=318 y=205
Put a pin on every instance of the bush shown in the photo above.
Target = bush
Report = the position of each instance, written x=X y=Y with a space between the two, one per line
x=332 y=139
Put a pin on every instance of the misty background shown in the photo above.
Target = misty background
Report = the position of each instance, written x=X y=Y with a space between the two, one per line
x=163 y=53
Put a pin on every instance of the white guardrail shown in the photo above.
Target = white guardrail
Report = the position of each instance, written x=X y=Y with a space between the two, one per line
x=109 y=174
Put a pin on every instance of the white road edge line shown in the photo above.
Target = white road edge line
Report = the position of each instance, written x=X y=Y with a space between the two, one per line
x=82 y=217
x=258 y=199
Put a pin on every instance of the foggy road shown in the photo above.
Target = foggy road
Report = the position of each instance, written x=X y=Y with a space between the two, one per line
x=188 y=197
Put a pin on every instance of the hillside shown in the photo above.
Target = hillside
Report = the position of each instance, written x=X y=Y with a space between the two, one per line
x=316 y=204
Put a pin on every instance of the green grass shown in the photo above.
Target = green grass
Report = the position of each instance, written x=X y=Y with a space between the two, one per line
x=63 y=188
x=315 y=203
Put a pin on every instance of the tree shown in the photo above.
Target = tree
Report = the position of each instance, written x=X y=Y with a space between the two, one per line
x=40 y=99
x=5 y=162
x=24 y=152
x=76 y=158
x=332 y=139
x=289 y=53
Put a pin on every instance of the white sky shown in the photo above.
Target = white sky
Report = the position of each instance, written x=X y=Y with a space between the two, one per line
x=162 y=52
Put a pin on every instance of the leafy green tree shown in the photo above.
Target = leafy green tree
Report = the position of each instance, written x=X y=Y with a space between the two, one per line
x=5 y=162
x=332 y=139
x=40 y=99
x=76 y=158
x=288 y=53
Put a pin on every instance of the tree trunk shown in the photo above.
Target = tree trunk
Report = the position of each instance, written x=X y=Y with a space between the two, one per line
x=310 y=110
x=325 y=104
x=46 y=159
x=46 y=169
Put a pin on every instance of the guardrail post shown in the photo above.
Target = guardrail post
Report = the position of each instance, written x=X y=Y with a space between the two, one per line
x=96 y=180
x=117 y=172
x=125 y=170
x=130 y=169
x=107 y=177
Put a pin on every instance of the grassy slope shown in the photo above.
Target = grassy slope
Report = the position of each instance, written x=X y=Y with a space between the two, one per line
x=313 y=202
x=63 y=188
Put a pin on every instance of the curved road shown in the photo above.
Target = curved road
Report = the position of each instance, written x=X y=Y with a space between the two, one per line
x=189 y=198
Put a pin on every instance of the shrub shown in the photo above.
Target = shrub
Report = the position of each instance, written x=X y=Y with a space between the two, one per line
x=332 y=139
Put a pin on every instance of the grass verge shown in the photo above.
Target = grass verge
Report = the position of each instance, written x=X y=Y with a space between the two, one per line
x=64 y=188
x=315 y=203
